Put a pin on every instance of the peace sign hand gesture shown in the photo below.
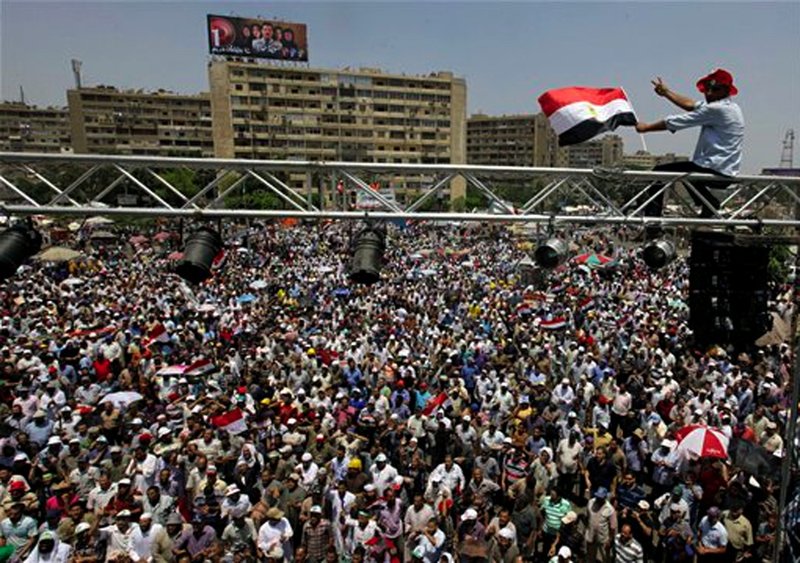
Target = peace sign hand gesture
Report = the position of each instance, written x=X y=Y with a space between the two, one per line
x=659 y=86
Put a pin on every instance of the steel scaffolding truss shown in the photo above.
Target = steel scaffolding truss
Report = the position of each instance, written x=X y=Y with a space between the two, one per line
x=29 y=186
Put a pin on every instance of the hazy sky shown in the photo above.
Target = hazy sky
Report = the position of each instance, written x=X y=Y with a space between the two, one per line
x=509 y=53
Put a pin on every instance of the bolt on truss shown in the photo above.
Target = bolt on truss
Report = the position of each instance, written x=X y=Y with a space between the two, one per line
x=83 y=185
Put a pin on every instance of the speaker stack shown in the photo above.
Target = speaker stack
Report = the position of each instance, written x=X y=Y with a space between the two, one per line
x=728 y=288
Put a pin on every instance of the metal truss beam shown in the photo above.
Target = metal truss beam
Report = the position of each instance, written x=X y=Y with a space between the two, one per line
x=596 y=196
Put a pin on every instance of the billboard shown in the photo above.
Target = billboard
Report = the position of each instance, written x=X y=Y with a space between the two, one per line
x=256 y=38
x=365 y=201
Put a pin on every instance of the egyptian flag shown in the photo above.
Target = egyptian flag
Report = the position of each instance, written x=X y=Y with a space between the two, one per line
x=578 y=113
x=434 y=403
x=553 y=324
x=586 y=304
x=157 y=335
x=200 y=367
x=232 y=421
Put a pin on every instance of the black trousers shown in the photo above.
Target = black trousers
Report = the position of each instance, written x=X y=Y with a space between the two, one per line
x=656 y=207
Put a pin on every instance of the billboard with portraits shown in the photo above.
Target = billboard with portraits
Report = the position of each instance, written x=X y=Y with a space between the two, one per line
x=257 y=38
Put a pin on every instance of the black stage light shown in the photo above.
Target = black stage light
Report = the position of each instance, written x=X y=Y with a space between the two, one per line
x=552 y=253
x=368 y=251
x=17 y=244
x=201 y=248
x=658 y=254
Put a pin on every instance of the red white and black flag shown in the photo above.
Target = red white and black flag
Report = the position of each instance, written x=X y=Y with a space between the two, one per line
x=579 y=113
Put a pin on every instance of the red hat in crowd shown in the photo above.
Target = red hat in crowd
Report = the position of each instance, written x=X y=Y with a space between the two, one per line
x=719 y=77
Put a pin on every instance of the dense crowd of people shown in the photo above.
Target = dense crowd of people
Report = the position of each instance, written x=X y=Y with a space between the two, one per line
x=455 y=411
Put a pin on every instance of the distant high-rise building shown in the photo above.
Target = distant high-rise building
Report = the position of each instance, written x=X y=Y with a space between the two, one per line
x=26 y=128
x=110 y=121
x=643 y=160
x=511 y=140
x=365 y=115
x=605 y=151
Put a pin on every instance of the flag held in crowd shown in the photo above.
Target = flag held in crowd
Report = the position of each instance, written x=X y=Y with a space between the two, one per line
x=554 y=323
x=157 y=335
x=579 y=113
x=200 y=367
x=232 y=421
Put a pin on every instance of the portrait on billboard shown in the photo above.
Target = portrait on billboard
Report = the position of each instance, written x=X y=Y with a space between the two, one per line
x=263 y=39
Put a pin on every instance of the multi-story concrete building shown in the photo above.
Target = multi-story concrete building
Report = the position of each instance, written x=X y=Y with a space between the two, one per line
x=511 y=140
x=365 y=115
x=25 y=128
x=111 y=121
x=606 y=151
x=643 y=160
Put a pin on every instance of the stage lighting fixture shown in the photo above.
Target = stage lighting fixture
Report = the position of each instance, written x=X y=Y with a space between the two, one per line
x=552 y=253
x=658 y=254
x=17 y=244
x=365 y=269
x=201 y=248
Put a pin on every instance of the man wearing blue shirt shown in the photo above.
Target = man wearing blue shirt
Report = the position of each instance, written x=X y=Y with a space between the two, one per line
x=719 y=147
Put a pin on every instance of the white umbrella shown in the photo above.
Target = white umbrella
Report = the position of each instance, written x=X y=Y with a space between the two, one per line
x=702 y=441
x=258 y=284
x=99 y=220
x=178 y=369
x=73 y=281
x=122 y=398
x=58 y=254
x=207 y=308
x=326 y=269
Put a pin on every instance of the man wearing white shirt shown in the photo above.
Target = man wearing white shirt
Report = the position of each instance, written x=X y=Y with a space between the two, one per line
x=276 y=532
x=118 y=536
x=142 y=538
x=383 y=474
x=308 y=471
x=449 y=473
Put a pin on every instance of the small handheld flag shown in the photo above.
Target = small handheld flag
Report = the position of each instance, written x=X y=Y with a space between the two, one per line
x=579 y=113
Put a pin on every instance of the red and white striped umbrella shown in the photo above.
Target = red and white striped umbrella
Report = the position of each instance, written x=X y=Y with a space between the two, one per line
x=702 y=441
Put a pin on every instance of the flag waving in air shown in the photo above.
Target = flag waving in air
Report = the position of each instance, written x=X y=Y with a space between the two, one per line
x=578 y=113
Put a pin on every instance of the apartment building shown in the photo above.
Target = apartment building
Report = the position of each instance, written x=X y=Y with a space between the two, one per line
x=364 y=115
x=643 y=160
x=107 y=120
x=511 y=140
x=26 y=128
x=605 y=151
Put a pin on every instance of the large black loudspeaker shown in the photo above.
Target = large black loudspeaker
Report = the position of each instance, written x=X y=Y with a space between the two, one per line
x=728 y=288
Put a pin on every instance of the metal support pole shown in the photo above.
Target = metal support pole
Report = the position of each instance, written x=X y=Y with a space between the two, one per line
x=590 y=188
x=19 y=192
x=434 y=189
x=276 y=191
x=170 y=187
x=230 y=188
x=289 y=190
x=791 y=427
x=543 y=195
x=107 y=190
x=362 y=186
x=47 y=183
x=142 y=187
x=74 y=185
x=487 y=192
x=208 y=187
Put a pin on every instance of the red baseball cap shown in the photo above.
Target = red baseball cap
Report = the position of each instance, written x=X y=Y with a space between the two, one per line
x=718 y=77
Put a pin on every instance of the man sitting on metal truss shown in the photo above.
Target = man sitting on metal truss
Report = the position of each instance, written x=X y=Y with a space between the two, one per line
x=719 y=147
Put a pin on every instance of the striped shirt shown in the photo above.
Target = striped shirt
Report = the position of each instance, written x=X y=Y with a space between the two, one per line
x=630 y=552
x=553 y=513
